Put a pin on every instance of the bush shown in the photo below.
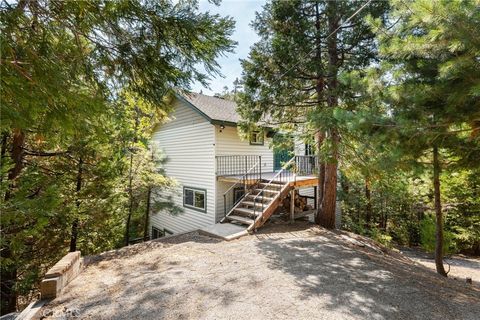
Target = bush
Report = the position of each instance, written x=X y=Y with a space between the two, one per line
x=381 y=237
x=399 y=233
x=427 y=237
x=413 y=230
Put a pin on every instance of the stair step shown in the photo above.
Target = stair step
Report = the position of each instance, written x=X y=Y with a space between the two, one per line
x=252 y=203
x=273 y=182
x=240 y=219
x=266 y=191
x=271 y=185
x=252 y=196
x=247 y=211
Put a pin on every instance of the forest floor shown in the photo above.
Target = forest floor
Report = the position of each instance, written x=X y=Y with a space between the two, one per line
x=283 y=272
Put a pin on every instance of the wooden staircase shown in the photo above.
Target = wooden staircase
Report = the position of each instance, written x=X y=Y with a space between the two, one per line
x=264 y=197
x=254 y=209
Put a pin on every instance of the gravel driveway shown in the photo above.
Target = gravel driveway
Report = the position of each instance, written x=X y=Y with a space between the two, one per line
x=303 y=274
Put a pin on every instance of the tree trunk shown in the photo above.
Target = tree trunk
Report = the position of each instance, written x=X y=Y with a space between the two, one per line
x=328 y=207
x=319 y=135
x=9 y=273
x=329 y=203
x=382 y=212
x=130 y=207
x=130 y=176
x=438 y=214
x=368 y=206
x=3 y=152
x=147 y=215
x=17 y=154
x=321 y=178
x=73 y=238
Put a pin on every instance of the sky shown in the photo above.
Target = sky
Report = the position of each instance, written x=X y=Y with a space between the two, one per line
x=243 y=12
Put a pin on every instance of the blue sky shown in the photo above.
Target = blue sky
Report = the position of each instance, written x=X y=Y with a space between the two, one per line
x=243 y=12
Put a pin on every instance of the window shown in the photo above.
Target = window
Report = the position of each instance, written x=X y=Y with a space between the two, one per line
x=309 y=150
x=238 y=193
x=195 y=198
x=256 y=138
x=157 y=233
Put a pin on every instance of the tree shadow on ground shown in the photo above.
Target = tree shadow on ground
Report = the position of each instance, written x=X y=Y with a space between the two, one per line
x=143 y=247
x=132 y=287
x=366 y=286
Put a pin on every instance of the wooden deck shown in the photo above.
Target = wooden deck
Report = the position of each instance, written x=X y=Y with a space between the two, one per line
x=295 y=180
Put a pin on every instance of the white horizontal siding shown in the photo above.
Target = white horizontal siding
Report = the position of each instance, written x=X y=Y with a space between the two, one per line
x=222 y=187
x=228 y=143
x=299 y=147
x=188 y=141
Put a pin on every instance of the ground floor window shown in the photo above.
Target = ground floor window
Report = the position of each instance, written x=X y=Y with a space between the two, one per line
x=157 y=233
x=195 y=198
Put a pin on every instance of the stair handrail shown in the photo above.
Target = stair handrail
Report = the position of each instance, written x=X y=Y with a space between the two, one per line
x=284 y=167
x=276 y=175
x=242 y=178
x=244 y=175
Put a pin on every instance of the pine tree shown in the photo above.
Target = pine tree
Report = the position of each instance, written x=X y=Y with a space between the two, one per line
x=433 y=76
x=63 y=66
x=293 y=74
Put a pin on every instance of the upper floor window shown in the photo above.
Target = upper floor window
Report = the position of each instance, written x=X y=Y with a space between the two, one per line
x=195 y=198
x=256 y=137
x=309 y=151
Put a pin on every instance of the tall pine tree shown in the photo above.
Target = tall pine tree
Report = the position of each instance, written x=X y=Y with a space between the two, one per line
x=63 y=64
x=433 y=77
x=293 y=74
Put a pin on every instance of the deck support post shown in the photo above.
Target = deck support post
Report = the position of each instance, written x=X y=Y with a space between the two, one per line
x=315 y=195
x=292 y=205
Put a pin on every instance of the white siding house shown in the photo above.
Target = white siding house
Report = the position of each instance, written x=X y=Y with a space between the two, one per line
x=200 y=129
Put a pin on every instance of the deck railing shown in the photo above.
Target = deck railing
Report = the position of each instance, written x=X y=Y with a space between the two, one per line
x=237 y=164
x=306 y=165
x=248 y=172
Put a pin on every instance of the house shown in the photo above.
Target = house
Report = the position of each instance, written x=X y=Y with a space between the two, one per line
x=222 y=177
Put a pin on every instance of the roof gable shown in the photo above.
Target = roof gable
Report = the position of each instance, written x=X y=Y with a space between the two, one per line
x=214 y=109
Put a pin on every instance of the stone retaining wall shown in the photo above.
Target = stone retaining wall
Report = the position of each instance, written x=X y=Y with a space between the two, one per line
x=60 y=275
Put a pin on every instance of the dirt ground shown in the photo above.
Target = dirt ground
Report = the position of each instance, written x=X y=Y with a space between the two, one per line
x=294 y=272
x=458 y=266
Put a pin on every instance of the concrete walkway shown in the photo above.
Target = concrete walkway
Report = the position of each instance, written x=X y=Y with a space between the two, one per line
x=225 y=231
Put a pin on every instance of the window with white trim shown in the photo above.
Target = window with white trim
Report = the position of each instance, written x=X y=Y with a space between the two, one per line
x=157 y=233
x=256 y=137
x=195 y=198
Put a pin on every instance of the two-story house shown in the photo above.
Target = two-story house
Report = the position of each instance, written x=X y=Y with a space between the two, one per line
x=222 y=177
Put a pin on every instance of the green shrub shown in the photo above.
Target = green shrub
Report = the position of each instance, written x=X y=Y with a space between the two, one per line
x=427 y=237
x=413 y=230
x=399 y=233
x=381 y=237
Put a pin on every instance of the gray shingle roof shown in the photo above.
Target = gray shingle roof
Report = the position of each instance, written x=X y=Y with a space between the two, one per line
x=216 y=109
